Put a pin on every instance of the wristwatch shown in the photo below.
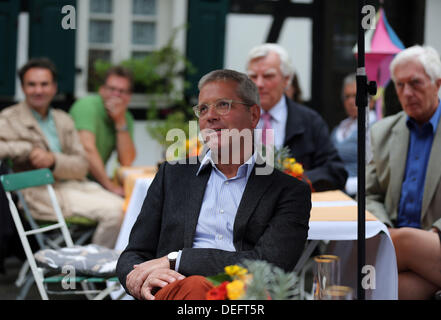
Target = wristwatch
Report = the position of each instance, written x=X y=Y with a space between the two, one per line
x=172 y=256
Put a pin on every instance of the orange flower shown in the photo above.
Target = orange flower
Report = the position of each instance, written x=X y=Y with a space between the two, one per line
x=218 y=293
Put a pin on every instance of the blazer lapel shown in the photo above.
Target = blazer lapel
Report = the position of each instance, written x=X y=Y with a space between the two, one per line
x=256 y=187
x=194 y=191
x=398 y=155
x=433 y=173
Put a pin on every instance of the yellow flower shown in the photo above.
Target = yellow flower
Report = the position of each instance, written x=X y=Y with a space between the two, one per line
x=288 y=163
x=297 y=169
x=235 y=289
x=235 y=270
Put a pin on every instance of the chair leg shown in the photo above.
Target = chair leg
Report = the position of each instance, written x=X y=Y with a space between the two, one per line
x=106 y=291
x=22 y=274
x=38 y=277
x=84 y=237
x=88 y=287
x=26 y=287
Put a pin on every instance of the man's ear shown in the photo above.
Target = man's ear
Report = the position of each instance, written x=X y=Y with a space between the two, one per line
x=255 y=115
x=287 y=81
x=438 y=83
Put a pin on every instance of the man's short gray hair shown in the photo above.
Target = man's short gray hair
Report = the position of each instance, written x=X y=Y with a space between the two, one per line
x=349 y=79
x=246 y=89
x=427 y=56
x=263 y=50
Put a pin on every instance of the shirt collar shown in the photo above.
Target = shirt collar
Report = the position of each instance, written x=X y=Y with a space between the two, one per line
x=244 y=169
x=277 y=112
x=434 y=120
x=38 y=116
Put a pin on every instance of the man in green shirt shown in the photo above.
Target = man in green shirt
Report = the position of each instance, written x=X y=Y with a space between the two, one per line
x=104 y=125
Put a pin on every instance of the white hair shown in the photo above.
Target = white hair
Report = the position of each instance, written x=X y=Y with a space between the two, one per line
x=349 y=79
x=263 y=50
x=427 y=56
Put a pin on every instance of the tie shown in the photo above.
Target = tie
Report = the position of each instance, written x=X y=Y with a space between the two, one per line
x=266 y=126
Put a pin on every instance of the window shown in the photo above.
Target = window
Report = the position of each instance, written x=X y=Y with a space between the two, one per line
x=111 y=38
x=116 y=30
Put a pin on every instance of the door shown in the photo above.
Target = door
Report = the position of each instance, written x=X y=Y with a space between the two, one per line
x=205 y=39
x=9 y=10
x=48 y=38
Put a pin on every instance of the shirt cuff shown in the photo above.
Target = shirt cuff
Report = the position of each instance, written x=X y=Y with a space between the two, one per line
x=178 y=260
x=351 y=185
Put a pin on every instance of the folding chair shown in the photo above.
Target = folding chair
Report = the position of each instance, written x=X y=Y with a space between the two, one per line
x=87 y=264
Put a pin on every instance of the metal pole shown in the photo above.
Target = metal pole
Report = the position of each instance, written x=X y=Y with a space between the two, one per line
x=361 y=104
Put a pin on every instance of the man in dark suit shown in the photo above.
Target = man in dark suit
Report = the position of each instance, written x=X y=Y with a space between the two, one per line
x=198 y=218
x=296 y=126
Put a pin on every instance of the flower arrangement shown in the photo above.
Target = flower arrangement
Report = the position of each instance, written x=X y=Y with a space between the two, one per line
x=284 y=162
x=259 y=280
x=193 y=146
x=184 y=149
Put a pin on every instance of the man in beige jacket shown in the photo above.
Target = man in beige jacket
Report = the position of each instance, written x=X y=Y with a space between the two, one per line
x=33 y=135
x=403 y=180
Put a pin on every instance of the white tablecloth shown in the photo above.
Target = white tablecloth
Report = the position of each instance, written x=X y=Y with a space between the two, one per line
x=137 y=198
x=380 y=252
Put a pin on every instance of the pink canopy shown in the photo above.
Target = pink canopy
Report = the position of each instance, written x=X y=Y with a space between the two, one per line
x=381 y=44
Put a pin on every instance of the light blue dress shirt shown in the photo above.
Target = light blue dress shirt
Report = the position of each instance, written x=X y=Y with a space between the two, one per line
x=412 y=190
x=219 y=207
x=47 y=125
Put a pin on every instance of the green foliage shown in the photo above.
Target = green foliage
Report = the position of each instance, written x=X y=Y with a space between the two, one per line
x=219 y=278
x=158 y=130
x=270 y=281
x=156 y=75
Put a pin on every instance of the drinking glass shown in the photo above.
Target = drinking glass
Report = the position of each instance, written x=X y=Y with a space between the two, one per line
x=338 y=293
x=326 y=273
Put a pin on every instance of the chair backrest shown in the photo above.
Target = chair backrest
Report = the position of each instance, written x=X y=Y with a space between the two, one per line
x=34 y=178
x=28 y=179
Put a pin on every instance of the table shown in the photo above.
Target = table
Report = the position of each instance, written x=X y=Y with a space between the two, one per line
x=333 y=218
x=138 y=194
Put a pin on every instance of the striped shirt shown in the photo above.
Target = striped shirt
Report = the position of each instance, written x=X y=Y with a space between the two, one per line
x=219 y=207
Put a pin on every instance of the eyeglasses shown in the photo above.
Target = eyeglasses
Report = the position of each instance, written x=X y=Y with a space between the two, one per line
x=116 y=90
x=222 y=107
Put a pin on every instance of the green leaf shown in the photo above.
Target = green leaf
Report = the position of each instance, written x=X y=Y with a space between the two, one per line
x=219 y=278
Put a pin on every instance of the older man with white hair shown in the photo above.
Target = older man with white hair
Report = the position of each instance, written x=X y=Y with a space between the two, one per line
x=296 y=126
x=403 y=186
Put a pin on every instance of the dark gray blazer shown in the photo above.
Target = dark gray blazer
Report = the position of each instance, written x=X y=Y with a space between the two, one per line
x=307 y=136
x=271 y=222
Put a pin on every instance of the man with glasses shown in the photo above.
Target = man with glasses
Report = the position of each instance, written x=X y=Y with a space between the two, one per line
x=198 y=218
x=403 y=179
x=105 y=125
